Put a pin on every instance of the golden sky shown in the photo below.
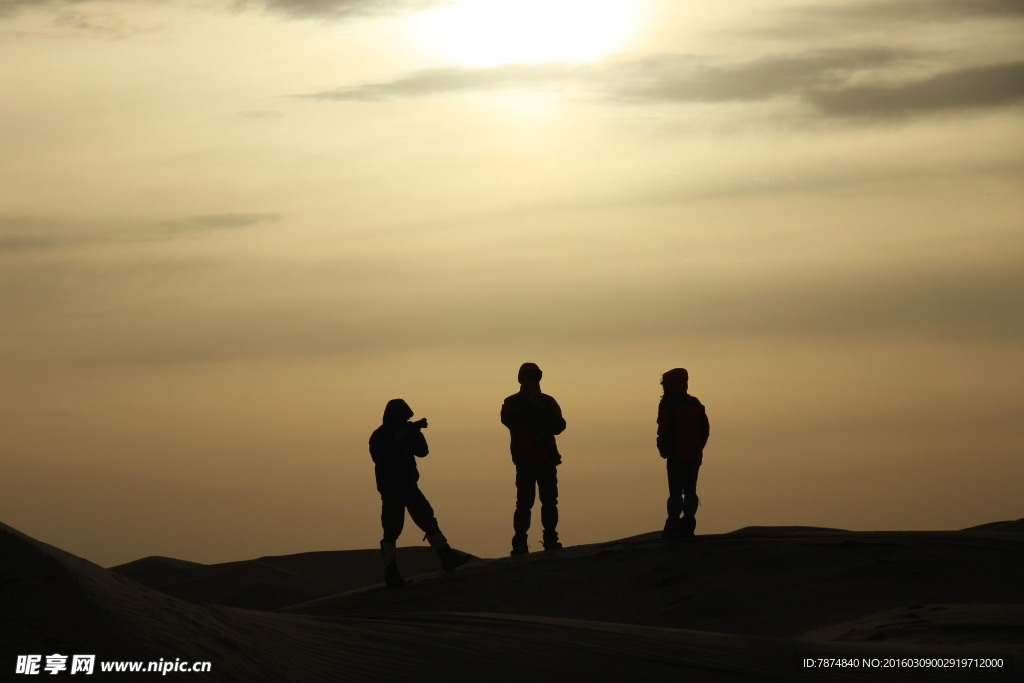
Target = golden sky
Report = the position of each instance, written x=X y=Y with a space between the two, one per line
x=231 y=231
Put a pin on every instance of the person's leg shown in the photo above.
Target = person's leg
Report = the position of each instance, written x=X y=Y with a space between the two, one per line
x=674 y=504
x=526 y=480
x=423 y=515
x=392 y=515
x=688 y=479
x=547 y=487
x=677 y=477
x=392 y=519
x=420 y=510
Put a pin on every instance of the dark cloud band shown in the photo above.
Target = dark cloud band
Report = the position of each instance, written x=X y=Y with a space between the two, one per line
x=221 y=221
x=986 y=86
x=294 y=8
x=819 y=79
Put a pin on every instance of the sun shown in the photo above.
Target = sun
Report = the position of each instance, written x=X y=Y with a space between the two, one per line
x=481 y=33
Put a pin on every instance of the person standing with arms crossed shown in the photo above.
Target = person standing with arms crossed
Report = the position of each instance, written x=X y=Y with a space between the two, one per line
x=534 y=419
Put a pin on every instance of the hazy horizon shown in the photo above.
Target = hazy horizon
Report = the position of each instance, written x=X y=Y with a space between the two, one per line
x=231 y=231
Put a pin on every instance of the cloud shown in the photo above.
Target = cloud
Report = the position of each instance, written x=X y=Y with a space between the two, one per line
x=12 y=7
x=172 y=312
x=329 y=9
x=17 y=243
x=463 y=79
x=660 y=78
x=984 y=86
x=884 y=16
x=820 y=79
x=953 y=303
x=919 y=10
x=669 y=78
x=342 y=9
x=156 y=306
x=101 y=26
x=26 y=234
x=153 y=305
x=221 y=221
x=19 y=234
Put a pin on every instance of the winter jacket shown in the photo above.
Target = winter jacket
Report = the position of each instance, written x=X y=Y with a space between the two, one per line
x=394 y=448
x=533 y=423
x=683 y=427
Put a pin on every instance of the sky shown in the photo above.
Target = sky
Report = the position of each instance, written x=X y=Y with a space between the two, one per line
x=231 y=231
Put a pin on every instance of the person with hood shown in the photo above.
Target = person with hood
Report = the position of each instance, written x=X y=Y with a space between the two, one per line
x=683 y=431
x=533 y=420
x=394 y=447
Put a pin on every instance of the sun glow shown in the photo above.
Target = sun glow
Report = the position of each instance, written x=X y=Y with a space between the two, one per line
x=491 y=32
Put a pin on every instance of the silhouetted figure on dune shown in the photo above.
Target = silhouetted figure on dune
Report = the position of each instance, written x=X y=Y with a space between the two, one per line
x=533 y=419
x=683 y=431
x=394 y=447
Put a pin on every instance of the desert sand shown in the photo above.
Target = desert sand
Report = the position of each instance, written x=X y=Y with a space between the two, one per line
x=745 y=606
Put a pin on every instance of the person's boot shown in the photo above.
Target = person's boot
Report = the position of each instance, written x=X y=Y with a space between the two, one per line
x=450 y=559
x=519 y=546
x=551 y=540
x=687 y=525
x=689 y=521
x=673 y=528
x=392 y=578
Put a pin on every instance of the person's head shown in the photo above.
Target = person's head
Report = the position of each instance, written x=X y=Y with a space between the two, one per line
x=675 y=381
x=397 y=410
x=529 y=374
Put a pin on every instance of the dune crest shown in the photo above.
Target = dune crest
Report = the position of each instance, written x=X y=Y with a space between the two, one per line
x=272 y=582
x=725 y=608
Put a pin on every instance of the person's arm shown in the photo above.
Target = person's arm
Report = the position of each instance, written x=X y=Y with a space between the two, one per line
x=409 y=438
x=383 y=447
x=510 y=415
x=418 y=444
x=556 y=423
x=664 y=440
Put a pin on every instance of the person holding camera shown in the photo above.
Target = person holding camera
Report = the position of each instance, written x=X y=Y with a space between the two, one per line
x=394 y=447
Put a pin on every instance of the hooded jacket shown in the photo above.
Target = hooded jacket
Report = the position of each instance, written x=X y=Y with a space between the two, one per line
x=394 y=447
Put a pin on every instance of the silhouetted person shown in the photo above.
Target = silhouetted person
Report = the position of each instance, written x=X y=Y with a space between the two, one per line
x=683 y=431
x=394 y=447
x=533 y=419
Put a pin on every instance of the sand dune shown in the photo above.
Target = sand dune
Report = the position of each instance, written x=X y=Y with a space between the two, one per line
x=768 y=582
x=271 y=582
x=1011 y=526
x=746 y=606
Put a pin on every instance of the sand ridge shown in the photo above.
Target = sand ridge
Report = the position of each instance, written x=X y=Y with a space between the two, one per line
x=268 y=583
x=745 y=606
